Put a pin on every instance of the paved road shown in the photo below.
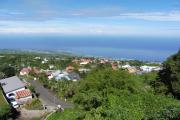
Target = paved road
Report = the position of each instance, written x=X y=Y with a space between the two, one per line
x=48 y=97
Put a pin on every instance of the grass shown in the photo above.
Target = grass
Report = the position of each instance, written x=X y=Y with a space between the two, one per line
x=3 y=101
x=67 y=114
x=35 y=104
x=36 y=119
x=4 y=106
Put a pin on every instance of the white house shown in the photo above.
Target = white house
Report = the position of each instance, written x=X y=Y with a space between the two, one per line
x=126 y=66
x=84 y=63
x=85 y=70
x=146 y=68
x=12 y=85
x=51 y=66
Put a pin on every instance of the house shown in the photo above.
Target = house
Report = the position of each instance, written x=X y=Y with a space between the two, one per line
x=69 y=69
x=36 y=70
x=25 y=71
x=74 y=76
x=84 y=63
x=104 y=61
x=76 y=61
x=132 y=70
x=23 y=96
x=84 y=70
x=44 y=61
x=126 y=66
x=37 y=58
x=51 y=66
x=15 y=90
x=61 y=75
x=68 y=76
x=114 y=66
x=12 y=85
x=146 y=68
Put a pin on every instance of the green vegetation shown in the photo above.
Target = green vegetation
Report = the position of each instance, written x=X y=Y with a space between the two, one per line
x=4 y=106
x=36 y=119
x=168 y=81
x=67 y=114
x=35 y=104
x=7 y=71
x=115 y=95
x=106 y=94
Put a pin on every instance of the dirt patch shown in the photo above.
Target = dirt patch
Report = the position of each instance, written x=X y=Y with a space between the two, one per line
x=29 y=114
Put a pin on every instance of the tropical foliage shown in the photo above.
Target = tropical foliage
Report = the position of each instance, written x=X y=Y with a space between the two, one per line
x=169 y=78
x=118 y=95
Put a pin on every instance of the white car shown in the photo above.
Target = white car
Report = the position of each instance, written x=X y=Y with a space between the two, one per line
x=11 y=95
x=13 y=103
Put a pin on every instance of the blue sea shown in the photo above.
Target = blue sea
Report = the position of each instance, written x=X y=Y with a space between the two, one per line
x=141 y=48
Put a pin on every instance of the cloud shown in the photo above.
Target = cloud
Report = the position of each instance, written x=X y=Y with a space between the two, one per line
x=173 y=16
x=84 y=28
x=45 y=12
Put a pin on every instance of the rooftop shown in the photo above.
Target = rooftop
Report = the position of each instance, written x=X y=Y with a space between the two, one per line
x=11 y=84
x=23 y=93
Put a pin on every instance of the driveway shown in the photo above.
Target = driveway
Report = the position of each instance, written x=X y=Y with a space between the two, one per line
x=47 y=97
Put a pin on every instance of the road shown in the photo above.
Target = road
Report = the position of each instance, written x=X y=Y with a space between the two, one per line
x=47 y=97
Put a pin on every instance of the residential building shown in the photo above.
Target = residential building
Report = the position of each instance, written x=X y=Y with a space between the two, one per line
x=12 y=85
x=146 y=68
x=25 y=71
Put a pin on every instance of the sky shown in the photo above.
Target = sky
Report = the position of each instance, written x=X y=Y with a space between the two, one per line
x=154 y=18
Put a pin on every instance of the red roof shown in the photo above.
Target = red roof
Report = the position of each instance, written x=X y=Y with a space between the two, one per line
x=27 y=70
x=23 y=93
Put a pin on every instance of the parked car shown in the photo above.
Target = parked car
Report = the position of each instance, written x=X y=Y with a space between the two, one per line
x=13 y=103
x=11 y=95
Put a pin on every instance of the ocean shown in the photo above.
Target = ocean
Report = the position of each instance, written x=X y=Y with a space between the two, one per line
x=140 y=48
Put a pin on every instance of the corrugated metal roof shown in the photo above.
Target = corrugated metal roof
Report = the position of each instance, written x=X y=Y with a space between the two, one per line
x=11 y=84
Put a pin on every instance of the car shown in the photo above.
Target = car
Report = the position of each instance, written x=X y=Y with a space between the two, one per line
x=11 y=95
x=13 y=103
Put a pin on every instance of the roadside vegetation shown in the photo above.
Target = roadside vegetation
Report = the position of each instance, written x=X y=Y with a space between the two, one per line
x=35 y=104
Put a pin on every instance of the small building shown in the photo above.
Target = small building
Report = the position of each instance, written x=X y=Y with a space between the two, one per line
x=147 y=69
x=25 y=71
x=126 y=66
x=132 y=70
x=69 y=69
x=37 y=58
x=84 y=70
x=51 y=66
x=114 y=66
x=84 y=63
x=36 y=70
x=74 y=76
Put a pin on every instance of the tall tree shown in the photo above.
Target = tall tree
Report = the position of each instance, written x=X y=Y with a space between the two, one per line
x=168 y=81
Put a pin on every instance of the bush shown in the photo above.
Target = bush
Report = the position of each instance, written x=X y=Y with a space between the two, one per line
x=35 y=104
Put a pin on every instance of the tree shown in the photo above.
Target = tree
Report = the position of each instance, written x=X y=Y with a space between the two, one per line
x=168 y=81
x=8 y=71
x=2 y=75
